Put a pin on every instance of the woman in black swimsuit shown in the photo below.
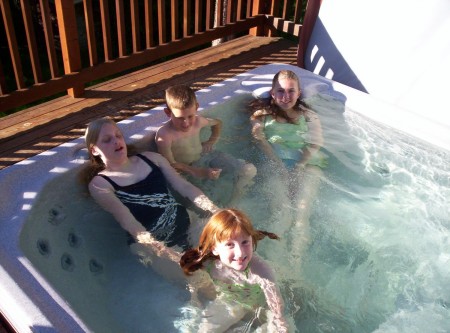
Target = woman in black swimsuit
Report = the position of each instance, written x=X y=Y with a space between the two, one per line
x=134 y=189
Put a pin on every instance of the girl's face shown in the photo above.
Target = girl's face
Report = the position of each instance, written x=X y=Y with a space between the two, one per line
x=285 y=93
x=235 y=252
x=110 y=144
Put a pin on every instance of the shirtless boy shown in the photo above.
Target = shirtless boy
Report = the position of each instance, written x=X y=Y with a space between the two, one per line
x=178 y=140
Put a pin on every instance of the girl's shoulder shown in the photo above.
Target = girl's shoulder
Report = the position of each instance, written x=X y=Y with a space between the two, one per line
x=261 y=268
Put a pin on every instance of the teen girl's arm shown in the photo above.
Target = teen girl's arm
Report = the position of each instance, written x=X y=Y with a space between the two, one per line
x=103 y=194
x=181 y=185
x=265 y=278
x=260 y=137
x=315 y=137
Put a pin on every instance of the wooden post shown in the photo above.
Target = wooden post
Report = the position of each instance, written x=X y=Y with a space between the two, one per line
x=311 y=14
x=259 y=7
x=67 y=25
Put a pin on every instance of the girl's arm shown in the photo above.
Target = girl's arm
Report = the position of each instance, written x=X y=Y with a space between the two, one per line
x=200 y=283
x=259 y=136
x=181 y=185
x=265 y=278
x=315 y=137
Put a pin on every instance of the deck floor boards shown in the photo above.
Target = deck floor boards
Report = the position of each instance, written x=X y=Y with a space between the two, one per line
x=34 y=130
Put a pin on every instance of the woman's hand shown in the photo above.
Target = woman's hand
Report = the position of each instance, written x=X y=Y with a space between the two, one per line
x=159 y=248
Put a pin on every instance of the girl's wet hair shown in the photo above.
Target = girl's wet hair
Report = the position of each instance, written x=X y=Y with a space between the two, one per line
x=220 y=227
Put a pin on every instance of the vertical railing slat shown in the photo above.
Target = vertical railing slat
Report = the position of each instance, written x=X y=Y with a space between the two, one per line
x=229 y=11
x=12 y=43
x=135 y=26
x=90 y=33
x=121 y=36
x=174 y=19
x=148 y=8
x=198 y=16
x=208 y=15
x=3 y=88
x=185 y=18
x=298 y=11
x=31 y=41
x=218 y=14
x=285 y=10
x=239 y=10
x=70 y=47
x=49 y=38
x=106 y=26
x=161 y=22
x=249 y=9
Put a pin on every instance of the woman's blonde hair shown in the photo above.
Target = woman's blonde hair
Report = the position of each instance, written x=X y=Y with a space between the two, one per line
x=220 y=227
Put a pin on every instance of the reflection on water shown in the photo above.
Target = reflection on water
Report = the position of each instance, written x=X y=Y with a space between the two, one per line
x=378 y=259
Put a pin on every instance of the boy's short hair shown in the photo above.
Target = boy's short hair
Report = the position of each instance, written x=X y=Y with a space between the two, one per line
x=180 y=97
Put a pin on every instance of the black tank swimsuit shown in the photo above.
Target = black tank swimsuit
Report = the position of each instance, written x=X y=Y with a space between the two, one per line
x=151 y=203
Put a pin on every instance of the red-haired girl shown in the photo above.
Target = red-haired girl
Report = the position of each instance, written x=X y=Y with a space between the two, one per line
x=244 y=284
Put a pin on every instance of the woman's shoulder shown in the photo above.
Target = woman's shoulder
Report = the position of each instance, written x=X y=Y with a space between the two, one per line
x=152 y=156
x=98 y=184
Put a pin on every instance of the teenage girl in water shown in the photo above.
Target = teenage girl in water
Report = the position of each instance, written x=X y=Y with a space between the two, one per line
x=290 y=136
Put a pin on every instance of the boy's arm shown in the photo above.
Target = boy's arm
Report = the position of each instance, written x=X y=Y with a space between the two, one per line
x=164 y=145
x=216 y=128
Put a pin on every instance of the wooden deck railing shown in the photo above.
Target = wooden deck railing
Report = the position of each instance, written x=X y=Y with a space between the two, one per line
x=51 y=47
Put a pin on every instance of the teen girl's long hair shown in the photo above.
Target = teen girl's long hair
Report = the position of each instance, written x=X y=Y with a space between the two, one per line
x=220 y=227
x=267 y=106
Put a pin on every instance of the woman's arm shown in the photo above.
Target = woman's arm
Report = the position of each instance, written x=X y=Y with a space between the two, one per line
x=103 y=194
x=181 y=185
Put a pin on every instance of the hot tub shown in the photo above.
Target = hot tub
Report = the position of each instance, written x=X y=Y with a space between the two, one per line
x=52 y=270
